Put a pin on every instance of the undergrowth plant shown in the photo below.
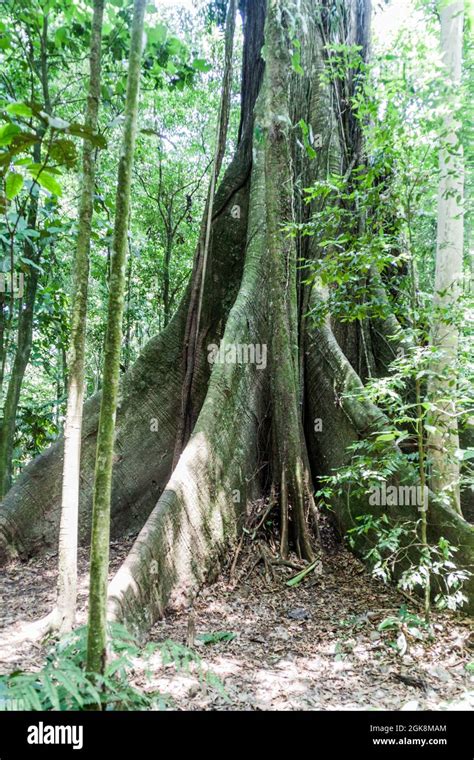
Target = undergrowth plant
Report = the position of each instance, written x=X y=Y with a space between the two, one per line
x=407 y=627
x=374 y=229
x=399 y=547
x=63 y=683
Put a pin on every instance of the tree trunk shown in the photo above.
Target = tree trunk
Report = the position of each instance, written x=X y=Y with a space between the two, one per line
x=67 y=565
x=99 y=565
x=26 y=309
x=166 y=281
x=288 y=442
x=22 y=353
x=149 y=406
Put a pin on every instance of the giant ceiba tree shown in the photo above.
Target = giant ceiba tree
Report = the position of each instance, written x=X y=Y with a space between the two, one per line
x=196 y=440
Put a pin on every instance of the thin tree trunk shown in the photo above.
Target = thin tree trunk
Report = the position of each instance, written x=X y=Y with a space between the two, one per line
x=67 y=570
x=128 y=328
x=449 y=255
x=166 y=281
x=22 y=355
x=26 y=308
x=3 y=341
x=97 y=634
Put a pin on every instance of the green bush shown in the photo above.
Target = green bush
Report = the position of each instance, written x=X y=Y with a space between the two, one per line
x=64 y=684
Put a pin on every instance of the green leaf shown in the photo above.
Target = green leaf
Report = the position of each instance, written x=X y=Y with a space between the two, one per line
x=175 y=46
x=13 y=185
x=386 y=437
x=296 y=62
x=19 y=109
x=304 y=127
x=50 y=690
x=200 y=64
x=307 y=132
x=298 y=578
x=19 y=142
x=388 y=623
x=32 y=694
x=8 y=132
x=70 y=686
x=60 y=36
x=78 y=130
x=63 y=151
x=49 y=183
x=30 y=263
x=157 y=35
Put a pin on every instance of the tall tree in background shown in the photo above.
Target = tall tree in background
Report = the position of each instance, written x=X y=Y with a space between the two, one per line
x=67 y=577
x=24 y=338
x=202 y=251
x=444 y=440
x=113 y=340
x=38 y=63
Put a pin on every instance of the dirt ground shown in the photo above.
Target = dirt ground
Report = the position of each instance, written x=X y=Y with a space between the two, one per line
x=315 y=646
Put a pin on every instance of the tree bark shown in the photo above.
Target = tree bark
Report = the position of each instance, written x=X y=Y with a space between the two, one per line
x=22 y=353
x=274 y=122
x=99 y=565
x=67 y=562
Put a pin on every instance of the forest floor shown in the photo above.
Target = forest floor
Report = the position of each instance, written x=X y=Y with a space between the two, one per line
x=314 y=646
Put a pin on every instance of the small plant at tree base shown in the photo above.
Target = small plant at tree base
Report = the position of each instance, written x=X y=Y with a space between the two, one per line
x=216 y=637
x=400 y=547
x=407 y=626
x=395 y=543
x=399 y=454
x=64 y=684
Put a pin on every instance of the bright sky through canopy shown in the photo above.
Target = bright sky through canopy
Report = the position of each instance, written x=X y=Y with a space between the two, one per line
x=387 y=20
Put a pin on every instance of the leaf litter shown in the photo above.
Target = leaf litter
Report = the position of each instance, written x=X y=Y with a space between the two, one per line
x=318 y=645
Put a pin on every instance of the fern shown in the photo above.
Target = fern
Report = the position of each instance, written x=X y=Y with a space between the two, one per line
x=64 y=684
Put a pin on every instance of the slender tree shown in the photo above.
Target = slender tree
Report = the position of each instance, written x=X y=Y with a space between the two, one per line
x=444 y=440
x=105 y=438
x=38 y=62
x=21 y=359
x=67 y=577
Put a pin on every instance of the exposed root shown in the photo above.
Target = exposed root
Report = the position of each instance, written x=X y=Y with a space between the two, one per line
x=31 y=632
